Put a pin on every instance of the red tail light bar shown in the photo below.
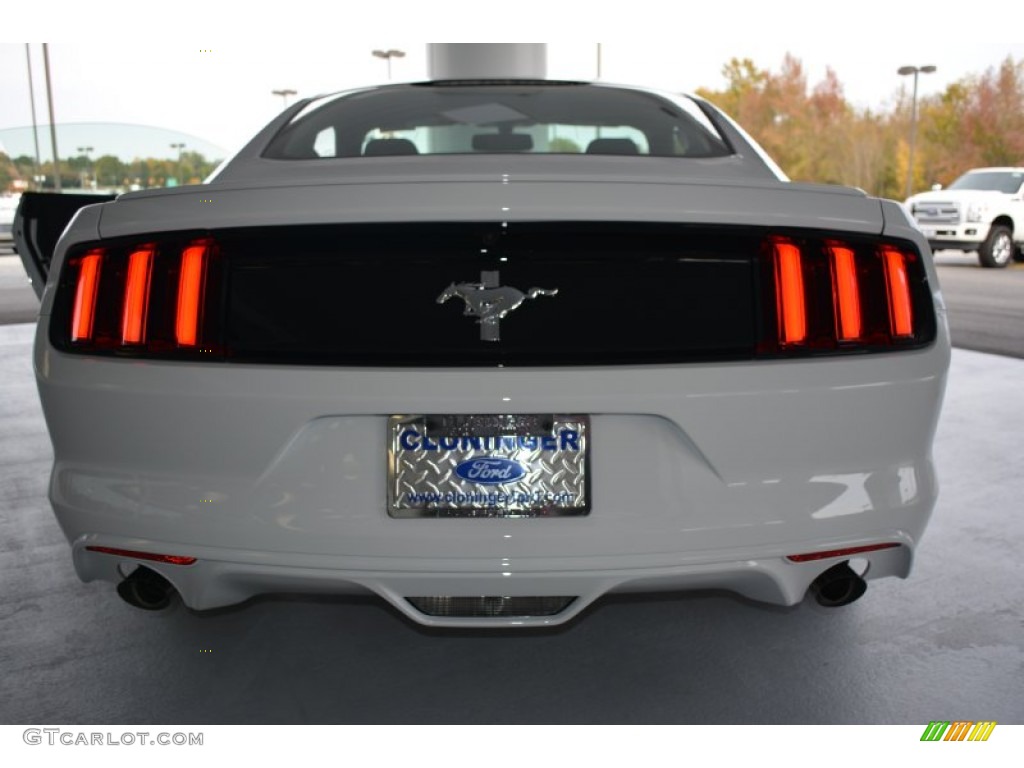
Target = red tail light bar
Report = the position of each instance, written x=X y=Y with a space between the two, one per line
x=790 y=298
x=846 y=292
x=829 y=296
x=148 y=299
x=84 y=312
x=136 y=296
x=190 y=294
x=901 y=316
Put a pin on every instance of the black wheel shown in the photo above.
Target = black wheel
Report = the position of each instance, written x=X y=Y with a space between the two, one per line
x=997 y=250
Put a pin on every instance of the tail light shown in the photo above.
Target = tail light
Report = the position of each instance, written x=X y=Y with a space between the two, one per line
x=86 y=287
x=790 y=297
x=191 y=277
x=824 y=296
x=136 y=296
x=153 y=299
x=168 y=296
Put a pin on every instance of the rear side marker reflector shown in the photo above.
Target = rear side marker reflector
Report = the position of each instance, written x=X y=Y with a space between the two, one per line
x=85 y=296
x=811 y=556
x=901 y=317
x=789 y=294
x=136 y=296
x=190 y=294
x=171 y=559
x=846 y=293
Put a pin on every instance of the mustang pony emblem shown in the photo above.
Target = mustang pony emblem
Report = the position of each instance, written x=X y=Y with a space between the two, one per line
x=490 y=301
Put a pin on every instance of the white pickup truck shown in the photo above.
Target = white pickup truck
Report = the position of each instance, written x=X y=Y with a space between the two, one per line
x=981 y=211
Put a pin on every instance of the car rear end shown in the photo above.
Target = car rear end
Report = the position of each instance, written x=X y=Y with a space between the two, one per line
x=236 y=404
x=705 y=383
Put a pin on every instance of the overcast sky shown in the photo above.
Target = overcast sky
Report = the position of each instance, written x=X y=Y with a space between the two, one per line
x=218 y=87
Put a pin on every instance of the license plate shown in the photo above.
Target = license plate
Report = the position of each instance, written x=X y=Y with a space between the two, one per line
x=513 y=465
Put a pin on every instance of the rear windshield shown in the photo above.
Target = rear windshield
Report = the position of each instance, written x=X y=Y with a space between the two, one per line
x=497 y=118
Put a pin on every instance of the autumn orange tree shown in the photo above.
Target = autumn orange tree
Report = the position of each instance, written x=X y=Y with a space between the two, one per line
x=977 y=121
x=815 y=134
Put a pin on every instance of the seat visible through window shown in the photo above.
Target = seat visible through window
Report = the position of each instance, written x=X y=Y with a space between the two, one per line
x=389 y=147
x=612 y=147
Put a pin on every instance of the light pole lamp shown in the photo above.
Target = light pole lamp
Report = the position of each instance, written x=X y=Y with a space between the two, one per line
x=388 y=55
x=179 y=147
x=284 y=93
x=911 y=70
x=88 y=160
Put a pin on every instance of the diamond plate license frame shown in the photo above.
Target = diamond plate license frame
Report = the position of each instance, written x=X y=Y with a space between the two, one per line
x=488 y=465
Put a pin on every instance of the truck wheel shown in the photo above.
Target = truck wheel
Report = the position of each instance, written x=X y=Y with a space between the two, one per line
x=997 y=250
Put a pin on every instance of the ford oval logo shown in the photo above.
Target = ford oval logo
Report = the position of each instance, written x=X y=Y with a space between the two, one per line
x=490 y=470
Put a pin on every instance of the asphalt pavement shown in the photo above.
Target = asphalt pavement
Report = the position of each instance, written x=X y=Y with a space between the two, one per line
x=18 y=302
x=986 y=306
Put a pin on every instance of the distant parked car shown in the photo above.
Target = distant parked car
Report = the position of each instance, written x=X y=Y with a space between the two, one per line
x=981 y=211
x=8 y=205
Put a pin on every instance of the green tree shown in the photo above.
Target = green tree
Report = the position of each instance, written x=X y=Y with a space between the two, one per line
x=564 y=145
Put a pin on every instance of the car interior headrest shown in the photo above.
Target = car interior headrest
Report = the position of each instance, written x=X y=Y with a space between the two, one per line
x=384 y=147
x=612 y=147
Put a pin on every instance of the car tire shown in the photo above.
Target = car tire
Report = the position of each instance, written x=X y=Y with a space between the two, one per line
x=997 y=250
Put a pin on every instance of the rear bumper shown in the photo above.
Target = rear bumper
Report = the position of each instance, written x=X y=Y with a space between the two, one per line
x=221 y=578
x=963 y=237
x=703 y=476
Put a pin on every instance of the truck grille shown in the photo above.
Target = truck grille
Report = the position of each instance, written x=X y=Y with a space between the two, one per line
x=937 y=213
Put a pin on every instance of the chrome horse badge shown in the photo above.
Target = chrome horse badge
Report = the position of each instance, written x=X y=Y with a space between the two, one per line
x=490 y=301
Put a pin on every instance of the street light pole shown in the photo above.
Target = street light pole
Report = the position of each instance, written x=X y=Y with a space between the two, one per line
x=35 y=128
x=911 y=70
x=179 y=147
x=87 y=151
x=388 y=55
x=284 y=93
x=53 y=123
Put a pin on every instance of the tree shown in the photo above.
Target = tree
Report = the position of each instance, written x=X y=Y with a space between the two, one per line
x=8 y=172
x=814 y=134
x=109 y=171
x=564 y=145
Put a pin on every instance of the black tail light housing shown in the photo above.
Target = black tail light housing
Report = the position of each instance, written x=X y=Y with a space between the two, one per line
x=326 y=294
x=153 y=297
